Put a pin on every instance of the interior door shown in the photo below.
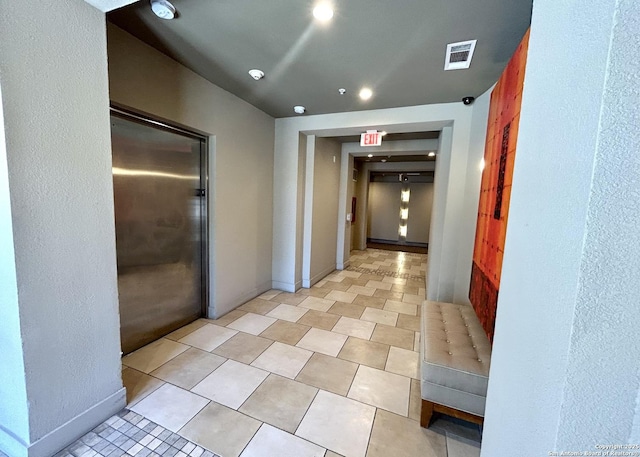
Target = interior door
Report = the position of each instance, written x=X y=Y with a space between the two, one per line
x=160 y=216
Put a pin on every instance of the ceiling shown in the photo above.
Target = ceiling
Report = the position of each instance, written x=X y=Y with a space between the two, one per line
x=397 y=48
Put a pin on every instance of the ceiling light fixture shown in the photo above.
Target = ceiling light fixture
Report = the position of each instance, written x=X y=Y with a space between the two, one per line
x=256 y=74
x=299 y=109
x=163 y=9
x=383 y=133
x=342 y=91
x=431 y=154
x=365 y=93
x=370 y=155
x=323 y=12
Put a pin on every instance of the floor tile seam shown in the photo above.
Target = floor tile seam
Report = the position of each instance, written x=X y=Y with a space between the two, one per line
x=385 y=409
x=319 y=388
x=177 y=386
x=180 y=387
x=275 y=426
x=345 y=397
x=289 y=433
x=373 y=423
x=251 y=394
x=247 y=365
x=351 y=384
x=258 y=336
x=302 y=369
x=179 y=432
x=307 y=412
x=131 y=404
x=386 y=360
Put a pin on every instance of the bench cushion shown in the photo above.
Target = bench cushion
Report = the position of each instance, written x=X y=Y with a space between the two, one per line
x=455 y=357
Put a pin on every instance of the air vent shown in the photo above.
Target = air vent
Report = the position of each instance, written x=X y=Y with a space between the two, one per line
x=459 y=55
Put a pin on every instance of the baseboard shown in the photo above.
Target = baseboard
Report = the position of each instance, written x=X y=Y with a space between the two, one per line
x=398 y=243
x=214 y=312
x=11 y=445
x=284 y=286
x=69 y=432
x=318 y=276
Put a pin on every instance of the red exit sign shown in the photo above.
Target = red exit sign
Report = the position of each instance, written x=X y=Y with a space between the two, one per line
x=371 y=138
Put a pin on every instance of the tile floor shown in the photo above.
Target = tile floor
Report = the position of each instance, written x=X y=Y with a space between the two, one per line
x=327 y=371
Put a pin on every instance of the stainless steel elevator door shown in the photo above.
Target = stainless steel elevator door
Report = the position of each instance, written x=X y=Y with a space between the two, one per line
x=160 y=215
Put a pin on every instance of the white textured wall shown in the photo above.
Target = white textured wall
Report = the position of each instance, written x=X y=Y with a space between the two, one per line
x=54 y=94
x=473 y=178
x=14 y=413
x=564 y=370
x=420 y=206
x=302 y=169
x=383 y=211
x=325 y=208
x=241 y=171
x=607 y=316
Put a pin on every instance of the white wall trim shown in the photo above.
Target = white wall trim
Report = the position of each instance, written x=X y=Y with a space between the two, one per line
x=342 y=250
x=212 y=304
x=67 y=433
x=284 y=286
x=437 y=230
x=308 y=283
x=343 y=266
x=308 y=210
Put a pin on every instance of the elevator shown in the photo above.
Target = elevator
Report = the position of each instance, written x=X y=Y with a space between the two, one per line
x=159 y=186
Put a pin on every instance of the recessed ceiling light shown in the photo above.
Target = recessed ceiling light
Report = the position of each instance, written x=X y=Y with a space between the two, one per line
x=365 y=93
x=383 y=160
x=163 y=9
x=299 y=109
x=431 y=154
x=370 y=155
x=323 y=12
x=256 y=74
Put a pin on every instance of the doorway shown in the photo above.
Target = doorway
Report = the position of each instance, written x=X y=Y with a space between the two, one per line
x=159 y=182
x=399 y=210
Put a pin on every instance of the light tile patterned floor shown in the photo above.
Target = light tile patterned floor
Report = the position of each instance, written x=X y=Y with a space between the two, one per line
x=130 y=434
x=327 y=371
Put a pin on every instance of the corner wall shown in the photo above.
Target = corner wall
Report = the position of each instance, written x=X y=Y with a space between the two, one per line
x=321 y=209
x=473 y=178
x=564 y=370
x=241 y=161
x=62 y=321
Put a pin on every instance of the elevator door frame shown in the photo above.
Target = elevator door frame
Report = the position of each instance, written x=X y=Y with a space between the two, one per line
x=145 y=119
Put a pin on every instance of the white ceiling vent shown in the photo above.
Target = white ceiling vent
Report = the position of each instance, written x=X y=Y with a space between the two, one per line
x=459 y=55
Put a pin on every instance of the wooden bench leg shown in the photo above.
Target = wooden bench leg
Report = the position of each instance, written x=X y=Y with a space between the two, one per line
x=428 y=408
x=426 y=412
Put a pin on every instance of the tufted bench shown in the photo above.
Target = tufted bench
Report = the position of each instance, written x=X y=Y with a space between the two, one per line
x=455 y=355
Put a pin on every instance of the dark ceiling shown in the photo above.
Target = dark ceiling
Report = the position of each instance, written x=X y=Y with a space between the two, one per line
x=395 y=47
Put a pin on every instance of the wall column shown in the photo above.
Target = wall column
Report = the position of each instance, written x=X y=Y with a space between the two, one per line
x=60 y=324
x=564 y=372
